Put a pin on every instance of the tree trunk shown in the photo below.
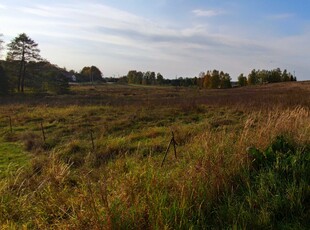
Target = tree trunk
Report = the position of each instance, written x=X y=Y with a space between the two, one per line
x=20 y=76
x=22 y=70
x=23 y=77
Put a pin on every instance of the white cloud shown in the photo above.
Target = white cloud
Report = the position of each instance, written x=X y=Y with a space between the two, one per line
x=206 y=13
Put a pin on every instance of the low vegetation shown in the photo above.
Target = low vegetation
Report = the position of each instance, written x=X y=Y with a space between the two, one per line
x=92 y=158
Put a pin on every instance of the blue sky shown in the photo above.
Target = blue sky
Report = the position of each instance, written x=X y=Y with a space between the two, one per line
x=174 y=37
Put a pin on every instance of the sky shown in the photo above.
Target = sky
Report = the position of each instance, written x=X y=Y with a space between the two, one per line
x=178 y=38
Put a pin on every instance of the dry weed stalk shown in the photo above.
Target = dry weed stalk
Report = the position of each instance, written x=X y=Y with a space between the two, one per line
x=260 y=128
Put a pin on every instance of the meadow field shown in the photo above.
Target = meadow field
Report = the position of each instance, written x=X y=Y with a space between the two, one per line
x=93 y=159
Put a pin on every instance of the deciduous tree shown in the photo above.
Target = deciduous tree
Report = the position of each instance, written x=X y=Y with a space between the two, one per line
x=159 y=79
x=215 y=80
x=242 y=81
x=207 y=80
x=91 y=73
x=253 y=78
x=225 y=80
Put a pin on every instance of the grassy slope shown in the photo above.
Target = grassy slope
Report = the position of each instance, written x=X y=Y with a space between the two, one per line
x=12 y=156
x=120 y=183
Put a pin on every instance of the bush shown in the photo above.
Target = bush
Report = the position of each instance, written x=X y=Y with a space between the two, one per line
x=53 y=82
x=58 y=83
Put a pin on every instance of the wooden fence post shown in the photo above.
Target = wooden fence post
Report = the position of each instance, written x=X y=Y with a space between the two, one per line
x=92 y=139
x=43 y=133
x=172 y=141
x=174 y=145
x=10 y=121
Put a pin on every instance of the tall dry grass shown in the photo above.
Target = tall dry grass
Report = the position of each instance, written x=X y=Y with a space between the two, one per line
x=262 y=127
x=136 y=192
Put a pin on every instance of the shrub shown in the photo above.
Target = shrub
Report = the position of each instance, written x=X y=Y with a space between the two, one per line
x=58 y=83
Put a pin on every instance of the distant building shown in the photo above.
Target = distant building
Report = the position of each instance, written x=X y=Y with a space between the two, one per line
x=71 y=77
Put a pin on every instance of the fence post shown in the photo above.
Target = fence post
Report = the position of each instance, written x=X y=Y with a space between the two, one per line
x=172 y=141
x=10 y=121
x=43 y=133
x=174 y=145
x=92 y=139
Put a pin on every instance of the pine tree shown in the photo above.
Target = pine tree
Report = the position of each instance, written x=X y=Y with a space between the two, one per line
x=23 y=49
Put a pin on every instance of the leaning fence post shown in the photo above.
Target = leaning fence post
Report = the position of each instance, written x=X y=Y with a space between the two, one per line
x=43 y=133
x=174 y=145
x=92 y=139
x=172 y=141
x=162 y=163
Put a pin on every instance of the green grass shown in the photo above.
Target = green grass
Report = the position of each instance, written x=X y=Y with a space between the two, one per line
x=12 y=157
x=274 y=192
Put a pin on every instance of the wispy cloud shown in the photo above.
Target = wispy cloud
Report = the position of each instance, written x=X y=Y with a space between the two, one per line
x=123 y=34
x=83 y=32
x=206 y=13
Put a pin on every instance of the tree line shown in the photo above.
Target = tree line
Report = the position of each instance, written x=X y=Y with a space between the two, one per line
x=256 y=77
x=151 y=78
x=146 y=78
x=25 y=68
x=89 y=74
x=212 y=79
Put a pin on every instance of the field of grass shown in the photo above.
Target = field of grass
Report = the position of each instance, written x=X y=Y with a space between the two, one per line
x=243 y=158
x=12 y=157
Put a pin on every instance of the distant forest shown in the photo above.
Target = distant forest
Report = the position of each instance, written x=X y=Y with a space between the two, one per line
x=214 y=79
x=24 y=68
